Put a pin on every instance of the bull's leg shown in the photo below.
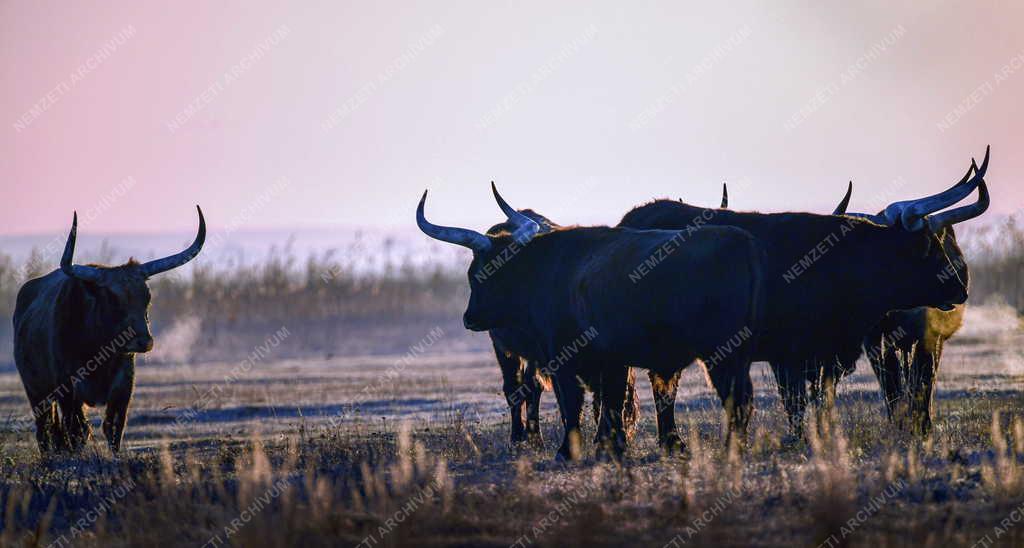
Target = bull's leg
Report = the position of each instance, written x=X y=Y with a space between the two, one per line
x=76 y=425
x=58 y=438
x=113 y=424
x=515 y=391
x=535 y=389
x=631 y=411
x=731 y=379
x=49 y=436
x=824 y=396
x=117 y=406
x=903 y=406
x=885 y=363
x=569 y=393
x=888 y=376
x=922 y=373
x=664 y=389
x=793 y=393
x=611 y=433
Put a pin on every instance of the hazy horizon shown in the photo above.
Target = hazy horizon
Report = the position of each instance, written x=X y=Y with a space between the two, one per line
x=276 y=116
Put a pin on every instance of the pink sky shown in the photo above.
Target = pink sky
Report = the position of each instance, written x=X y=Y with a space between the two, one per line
x=579 y=111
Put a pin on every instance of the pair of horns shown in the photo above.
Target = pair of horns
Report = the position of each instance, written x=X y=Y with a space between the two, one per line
x=525 y=227
x=915 y=215
x=840 y=209
x=152 y=268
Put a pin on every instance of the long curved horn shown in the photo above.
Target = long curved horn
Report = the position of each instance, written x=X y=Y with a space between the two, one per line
x=67 y=265
x=841 y=208
x=458 y=236
x=912 y=213
x=157 y=266
x=526 y=228
x=725 y=196
x=948 y=218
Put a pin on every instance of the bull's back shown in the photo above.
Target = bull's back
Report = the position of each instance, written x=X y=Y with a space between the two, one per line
x=664 y=289
x=719 y=282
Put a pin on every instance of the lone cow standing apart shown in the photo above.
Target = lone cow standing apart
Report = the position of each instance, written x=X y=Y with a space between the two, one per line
x=76 y=333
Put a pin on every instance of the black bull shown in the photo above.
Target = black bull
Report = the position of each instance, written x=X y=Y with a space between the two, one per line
x=802 y=344
x=523 y=384
x=905 y=350
x=827 y=286
x=76 y=333
x=587 y=300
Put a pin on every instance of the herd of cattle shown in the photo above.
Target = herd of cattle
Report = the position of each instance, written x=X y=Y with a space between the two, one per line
x=673 y=283
x=579 y=307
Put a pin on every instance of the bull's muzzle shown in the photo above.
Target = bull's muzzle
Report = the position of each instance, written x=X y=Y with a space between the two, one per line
x=471 y=325
x=140 y=344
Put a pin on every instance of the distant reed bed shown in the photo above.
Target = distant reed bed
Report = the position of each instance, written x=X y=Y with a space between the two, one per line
x=996 y=255
x=335 y=305
x=215 y=312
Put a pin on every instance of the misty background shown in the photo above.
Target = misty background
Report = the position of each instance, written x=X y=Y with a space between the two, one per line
x=339 y=114
x=308 y=133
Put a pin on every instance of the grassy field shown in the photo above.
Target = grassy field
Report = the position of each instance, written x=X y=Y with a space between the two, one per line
x=411 y=448
x=302 y=403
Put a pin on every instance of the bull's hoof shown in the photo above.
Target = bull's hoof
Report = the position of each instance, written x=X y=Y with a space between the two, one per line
x=611 y=447
x=571 y=447
x=793 y=441
x=921 y=428
x=567 y=453
x=672 y=445
x=518 y=438
x=606 y=454
x=535 y=440
x=630 y=434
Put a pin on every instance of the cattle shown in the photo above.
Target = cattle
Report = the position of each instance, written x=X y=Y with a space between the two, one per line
x=830 y=279
x=523 y=384
x=76 y=333
x=576 y=293
x=905 y=348
x=522 y=380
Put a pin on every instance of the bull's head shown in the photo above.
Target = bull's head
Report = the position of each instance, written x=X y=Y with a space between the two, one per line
x=494 y=275
x=117 y=297
x=546 y=225
x=935 y=238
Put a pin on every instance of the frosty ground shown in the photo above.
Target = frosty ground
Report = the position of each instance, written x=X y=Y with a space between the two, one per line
x=410 y=447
